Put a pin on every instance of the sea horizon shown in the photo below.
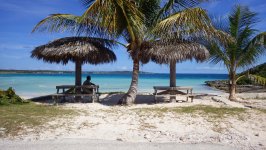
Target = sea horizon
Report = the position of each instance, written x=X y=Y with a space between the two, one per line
x=39 y=71
x=30 y=85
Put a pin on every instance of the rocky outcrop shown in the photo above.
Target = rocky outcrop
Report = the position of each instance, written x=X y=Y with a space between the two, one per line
x=223 y=85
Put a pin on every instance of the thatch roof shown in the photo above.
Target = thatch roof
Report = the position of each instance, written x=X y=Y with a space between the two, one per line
x=163 y=53
x=84 y=49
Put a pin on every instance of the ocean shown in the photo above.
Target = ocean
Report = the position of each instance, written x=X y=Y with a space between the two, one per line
x=32 y=85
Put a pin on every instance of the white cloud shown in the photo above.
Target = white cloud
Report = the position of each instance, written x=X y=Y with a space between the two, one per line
x=15 y=46
x=124 y=68
x=210 y=68
x=13 y=56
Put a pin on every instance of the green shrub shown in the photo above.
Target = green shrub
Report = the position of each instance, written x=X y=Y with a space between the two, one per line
x=244 y=81
x=9 y=97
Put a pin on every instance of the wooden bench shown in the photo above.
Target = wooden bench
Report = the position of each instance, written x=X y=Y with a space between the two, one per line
x=76 y=91
x=173 y=91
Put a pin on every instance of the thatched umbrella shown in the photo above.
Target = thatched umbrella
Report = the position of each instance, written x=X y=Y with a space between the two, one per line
x=79 y=50
x=171 y=53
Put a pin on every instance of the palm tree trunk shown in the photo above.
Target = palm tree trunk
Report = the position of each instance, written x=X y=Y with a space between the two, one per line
x=232 y=86
x=172 y=80
x=130 y=96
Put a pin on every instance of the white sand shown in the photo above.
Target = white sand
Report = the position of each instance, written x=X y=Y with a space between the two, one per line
x=142 y=123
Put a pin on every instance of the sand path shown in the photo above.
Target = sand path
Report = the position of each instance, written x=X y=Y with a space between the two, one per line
x=85 y=144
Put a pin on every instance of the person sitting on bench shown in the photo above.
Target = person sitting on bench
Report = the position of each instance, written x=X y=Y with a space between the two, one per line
x=87 y=82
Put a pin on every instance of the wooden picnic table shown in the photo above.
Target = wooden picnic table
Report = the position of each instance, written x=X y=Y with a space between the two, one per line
x=64 y=88
x=162 y=91
x=63 y=91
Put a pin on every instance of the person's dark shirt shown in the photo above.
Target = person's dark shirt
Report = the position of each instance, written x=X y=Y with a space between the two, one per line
x=87 y=90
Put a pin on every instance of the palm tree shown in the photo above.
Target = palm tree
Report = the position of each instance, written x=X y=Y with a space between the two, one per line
x=134 y=21
x=246 y=48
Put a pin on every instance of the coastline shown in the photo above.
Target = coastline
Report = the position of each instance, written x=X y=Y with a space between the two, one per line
x=34 y=85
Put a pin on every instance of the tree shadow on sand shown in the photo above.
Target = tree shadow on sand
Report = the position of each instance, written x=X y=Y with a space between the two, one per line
x=105 y=99
x=108 y=99
x=112 y=99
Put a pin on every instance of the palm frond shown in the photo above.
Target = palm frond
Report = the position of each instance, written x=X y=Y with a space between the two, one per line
x=259 y=40
x=241 y=77
x=184 y=22
x=57 y=22
x=173 y=6
x=69 y=23
x=116 y=16
x=150 y=9
x=240 y=18
x=189 y=23
x=217 y=54
x=258 y=79
x=254 y=49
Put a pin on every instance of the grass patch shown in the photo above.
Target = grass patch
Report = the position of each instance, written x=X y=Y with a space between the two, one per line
x=214 y=112
x=145 y=126
x=261 y=110
x=14 y=118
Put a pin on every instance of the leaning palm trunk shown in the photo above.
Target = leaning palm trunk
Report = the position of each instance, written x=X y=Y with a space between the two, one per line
x=130 y=96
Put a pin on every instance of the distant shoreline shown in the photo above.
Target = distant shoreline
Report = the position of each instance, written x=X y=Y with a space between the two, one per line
x=2 y=71
x=12 y=71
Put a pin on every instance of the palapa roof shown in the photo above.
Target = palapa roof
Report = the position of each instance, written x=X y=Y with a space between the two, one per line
x=164 y=52
x=84 y=49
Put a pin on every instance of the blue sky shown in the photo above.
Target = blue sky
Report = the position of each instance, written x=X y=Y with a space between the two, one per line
x=18 y=17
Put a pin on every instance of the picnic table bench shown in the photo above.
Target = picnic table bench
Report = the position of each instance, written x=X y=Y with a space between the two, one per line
x=76 y=91
x=162 y=91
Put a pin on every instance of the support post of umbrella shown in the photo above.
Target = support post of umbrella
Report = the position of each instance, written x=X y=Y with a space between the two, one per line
x=172 y=80
x=78 y=73
x=78 y=78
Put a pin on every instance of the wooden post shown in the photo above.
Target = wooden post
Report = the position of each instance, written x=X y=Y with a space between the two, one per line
x=172 y=80
x=172 y=73
x=78 y=79
x=78 y=73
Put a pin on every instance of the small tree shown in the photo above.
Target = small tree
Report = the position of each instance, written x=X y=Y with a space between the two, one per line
x=246 y=48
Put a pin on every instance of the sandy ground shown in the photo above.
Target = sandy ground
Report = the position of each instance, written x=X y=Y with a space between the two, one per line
x=85 y=144
x=136 y=124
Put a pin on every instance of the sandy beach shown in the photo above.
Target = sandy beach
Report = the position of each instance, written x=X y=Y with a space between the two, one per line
x=146 y=122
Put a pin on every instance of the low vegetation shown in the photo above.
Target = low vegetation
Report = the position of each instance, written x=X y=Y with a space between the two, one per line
x=259 y=70
x=214 y=112
x=262 y=110
x=15 y=118
x=10 y=97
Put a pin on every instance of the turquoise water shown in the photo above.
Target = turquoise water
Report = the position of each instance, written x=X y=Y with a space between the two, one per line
x=30 y=85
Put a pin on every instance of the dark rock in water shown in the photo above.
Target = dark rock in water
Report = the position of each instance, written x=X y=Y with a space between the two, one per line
x=223 y=85
x=218 y=84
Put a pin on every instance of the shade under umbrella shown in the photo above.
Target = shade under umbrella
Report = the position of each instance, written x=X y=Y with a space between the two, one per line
x=79 y=50
x=171 y=53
